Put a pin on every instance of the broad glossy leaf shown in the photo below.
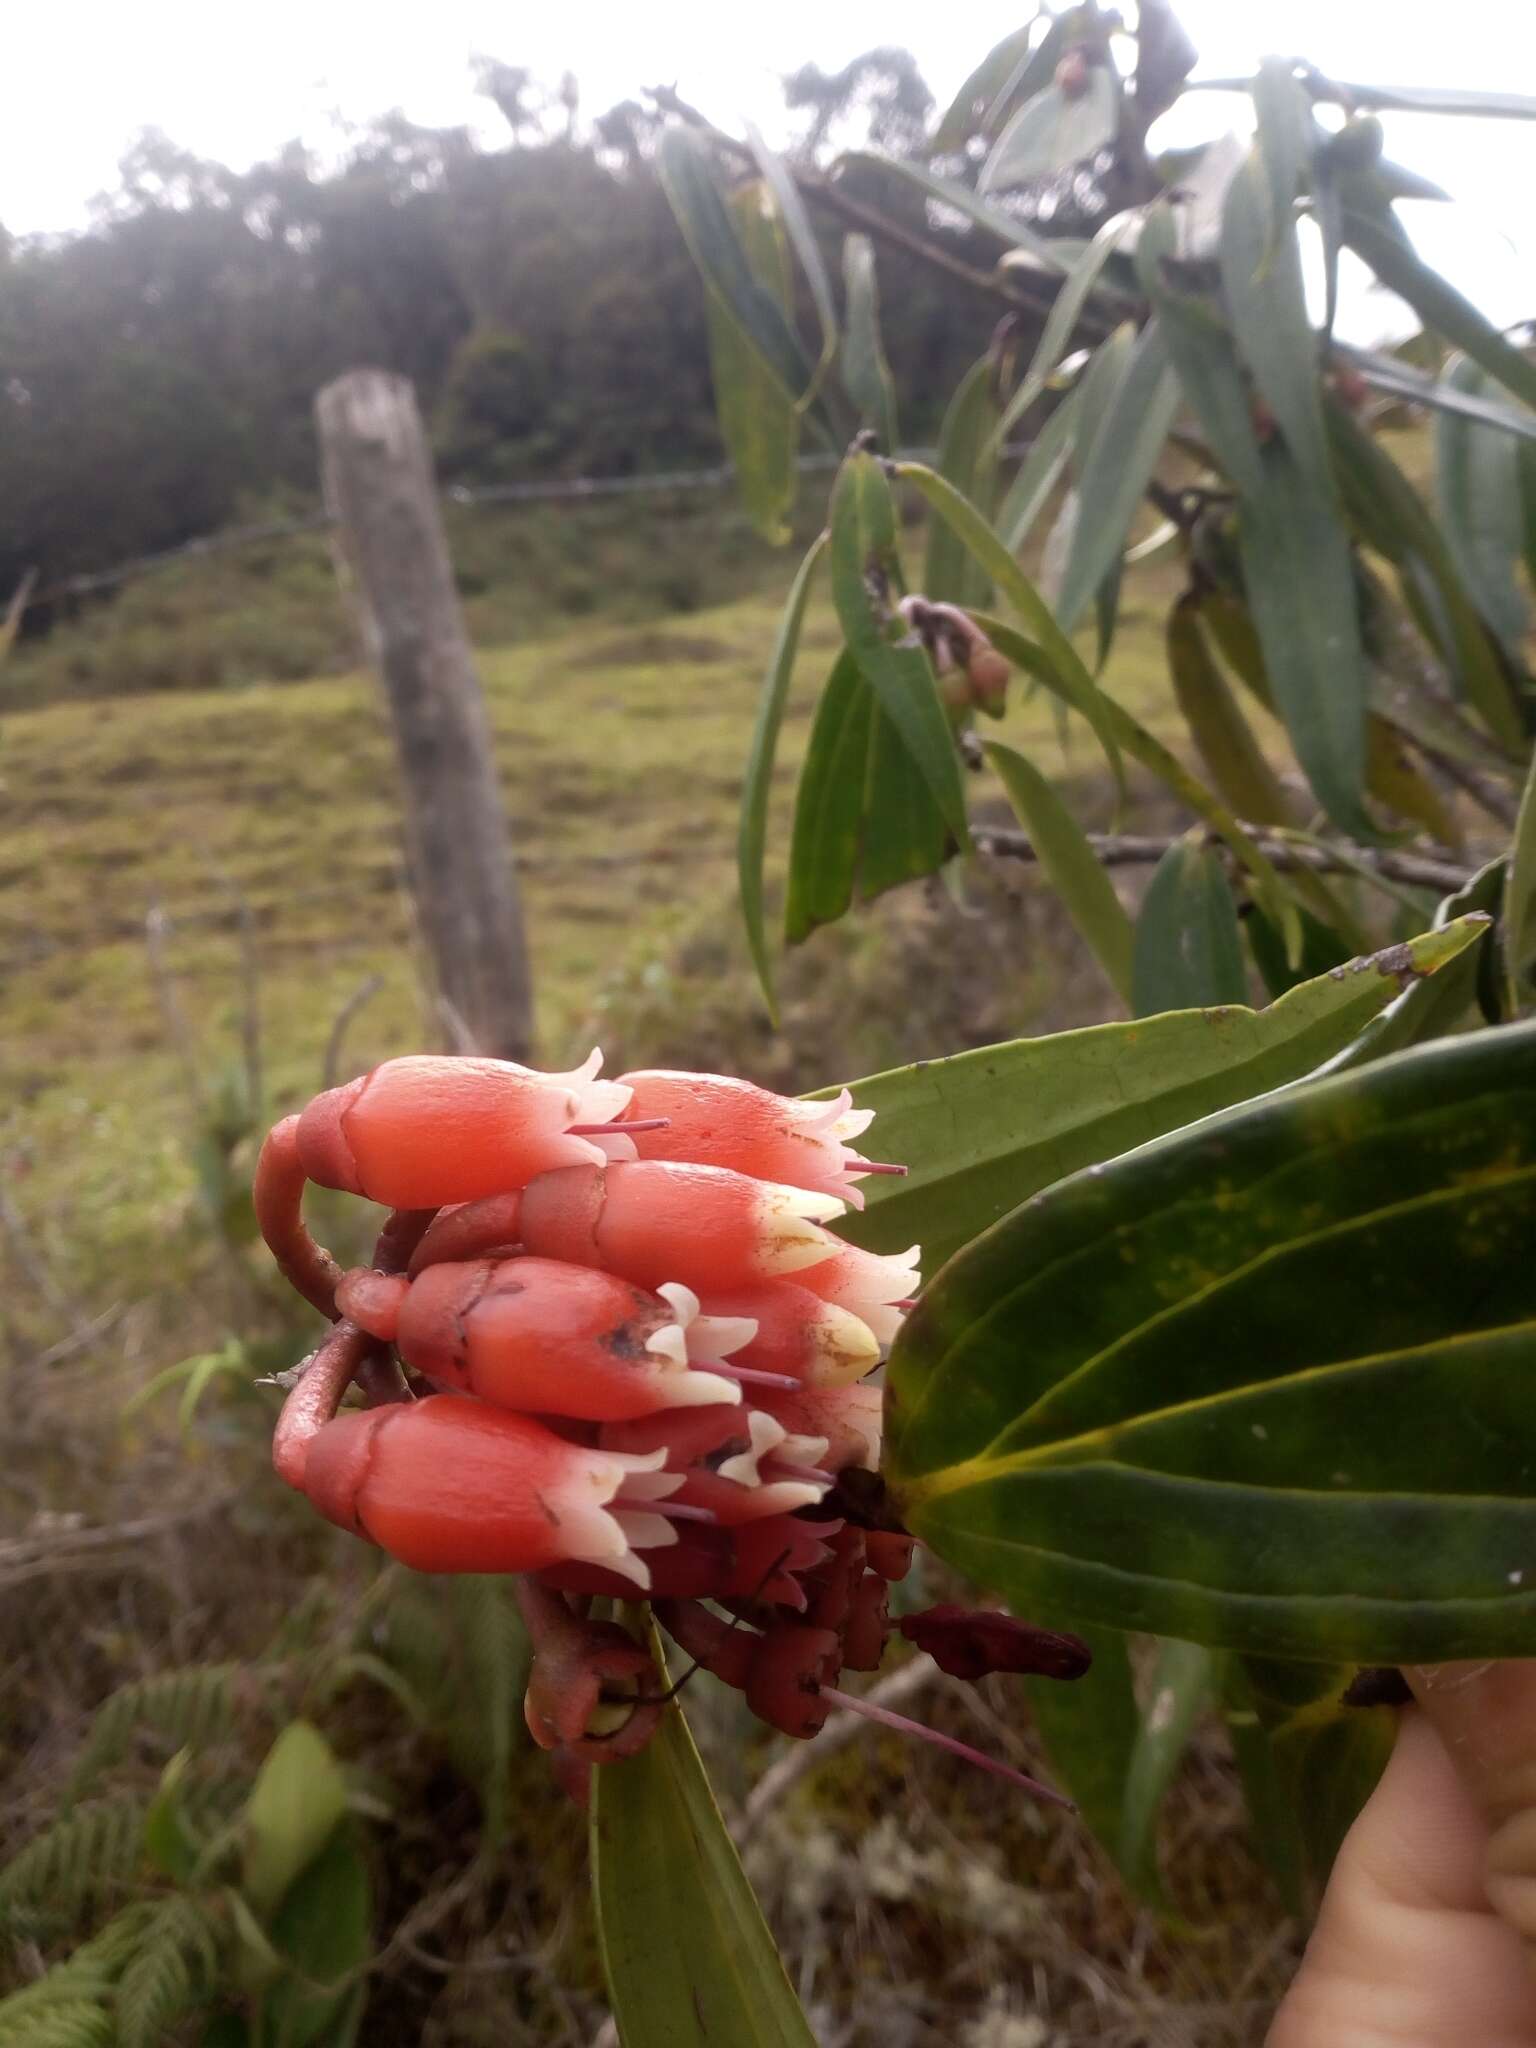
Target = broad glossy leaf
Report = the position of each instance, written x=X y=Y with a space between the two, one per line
x=1520 y=898
x=1127 y=440
x=1180 y=1689
x=1038 y=474
x=866 y=373
x=1439 y=305
x=983 y=1131
x=1261 y=276
x=1052 y=131
x=1300 y=584
x=759 y=423
x=1389 y=513
x=1308 y=1764
x=966 y=458
x=1262 y=1385
x=960 y=199
x=1070 y=865
x=689 y=180
x=864 y=547
x=753 y=830
x=1233 y=758
x=689 y=1960
x=1188 y=952
x=829 y=804
x=1477 y=493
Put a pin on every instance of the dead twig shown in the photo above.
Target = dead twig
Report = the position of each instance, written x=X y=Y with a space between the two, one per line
x=1127 y=849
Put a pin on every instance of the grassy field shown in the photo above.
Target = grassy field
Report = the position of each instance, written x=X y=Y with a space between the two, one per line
x=193 y=874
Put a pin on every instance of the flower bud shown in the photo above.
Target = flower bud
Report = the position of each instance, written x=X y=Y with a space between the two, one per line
x=427 y=1129
x=449 y=1485
x=713 y=1120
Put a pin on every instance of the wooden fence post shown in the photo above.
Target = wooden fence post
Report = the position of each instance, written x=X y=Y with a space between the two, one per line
x=380 y=489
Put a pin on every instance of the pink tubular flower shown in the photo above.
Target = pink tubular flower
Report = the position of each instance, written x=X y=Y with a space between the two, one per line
x=658 y=1220
x=797 y=1333
x=447 y=1485
x=539 y=1336
x=874 y=1289
x=713 y=1120
x=423 y=1130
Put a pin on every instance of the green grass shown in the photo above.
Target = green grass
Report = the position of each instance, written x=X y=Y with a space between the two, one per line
x=621 y=750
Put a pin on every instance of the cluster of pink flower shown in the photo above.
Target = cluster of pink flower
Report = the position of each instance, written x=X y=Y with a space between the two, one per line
x=607 y=1344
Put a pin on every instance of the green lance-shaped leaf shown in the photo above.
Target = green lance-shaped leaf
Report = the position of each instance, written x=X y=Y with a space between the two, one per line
x=864 y=569
x=1203 y=353
x=1233 y=758
x=972 y=104
x=688 y=178
x=1118 y=464
x=1133 y=738
x=1439 y=305
x=1090 y=1730
x=829 y=804
x=689 y=1959
x=1061 y=324
x=903 y=833
x=1419 y=99
x=759 y=424
x=967 y=459
x=1307 y=1763
x=1435 y=1008
x=1520 y=898
x=1477 y=494
x=322 y=1930
x=1397 y=379
x=1180 y=1689
x=1284 y=142
x=752 y=833
x=1070 y=865
x=790 y=210
x=1261 y=277
x=1062 y=667
x=297 y=1799
x=1053 y=130
x=983 y=1131
x=866 y=373
x=1039 y=473
x=960 y=199
x=1188 y=952
x=1299 y=578
x=1388 y=512
x=1262 y=1385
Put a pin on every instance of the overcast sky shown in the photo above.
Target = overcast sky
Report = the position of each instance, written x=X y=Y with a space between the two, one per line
x=235 y=82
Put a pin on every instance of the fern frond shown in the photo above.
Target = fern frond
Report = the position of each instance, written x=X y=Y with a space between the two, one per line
x=79 y=2023
x=81 y=1858
x=187 y=1706
x=174 y=1967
